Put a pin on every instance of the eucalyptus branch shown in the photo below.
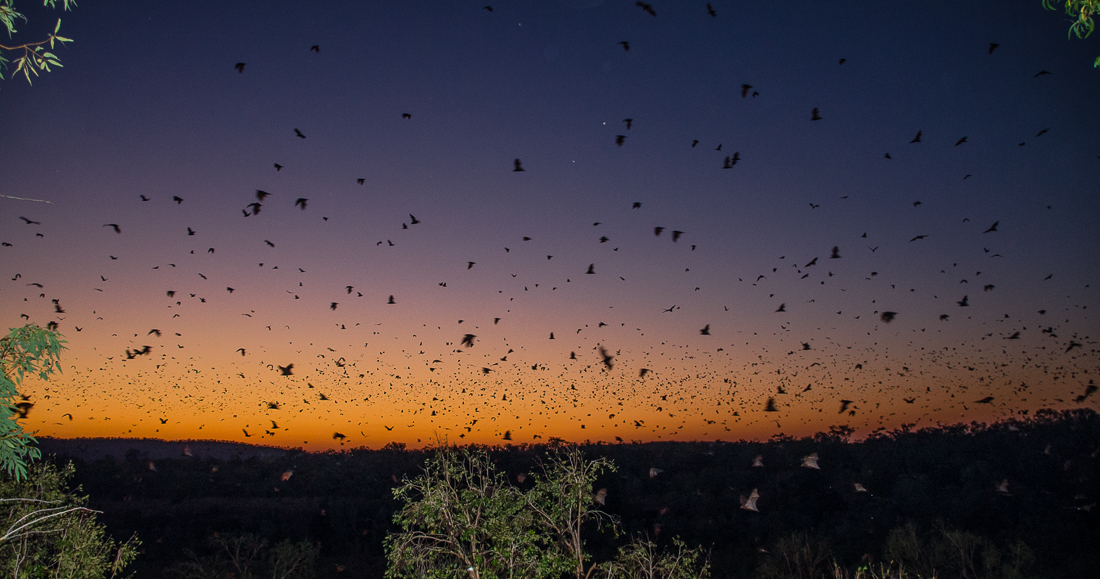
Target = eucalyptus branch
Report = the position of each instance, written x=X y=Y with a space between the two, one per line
x=27 y=45
x=1082 y=12
x=33 y=60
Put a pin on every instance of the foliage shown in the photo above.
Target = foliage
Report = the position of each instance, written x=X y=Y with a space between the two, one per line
x=955 y=553
x=562 y=499
x=462 y=518
x=881 y=571
x=248 y=557
x=33 y=57
x=26 y=350
x=1082 y=12
x=797 y=556
x=49 y=532
x=640 y=560
x=945 y=553
x=462 y=515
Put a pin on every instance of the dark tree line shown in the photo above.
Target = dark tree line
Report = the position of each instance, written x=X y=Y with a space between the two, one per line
x=1022 y=491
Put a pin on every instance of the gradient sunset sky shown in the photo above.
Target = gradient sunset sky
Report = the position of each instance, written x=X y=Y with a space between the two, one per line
x=946 y=181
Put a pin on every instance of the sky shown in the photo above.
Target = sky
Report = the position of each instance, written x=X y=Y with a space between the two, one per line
x=772 y=219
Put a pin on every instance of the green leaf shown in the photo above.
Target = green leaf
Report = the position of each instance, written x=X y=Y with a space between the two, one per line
x=57 y=27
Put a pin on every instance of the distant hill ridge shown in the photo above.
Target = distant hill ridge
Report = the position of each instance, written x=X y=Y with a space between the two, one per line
x=153 y=449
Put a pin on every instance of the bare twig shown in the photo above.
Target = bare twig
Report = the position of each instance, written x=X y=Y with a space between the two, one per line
x=14 y=531
x=27 y=199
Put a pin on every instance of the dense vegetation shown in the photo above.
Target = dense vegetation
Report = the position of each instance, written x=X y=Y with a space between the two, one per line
x=46 y=529
x=935 y=498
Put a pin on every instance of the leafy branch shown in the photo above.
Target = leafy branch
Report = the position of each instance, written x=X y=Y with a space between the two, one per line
x=33 y=57
x=30 y=349
x=1082 y=12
